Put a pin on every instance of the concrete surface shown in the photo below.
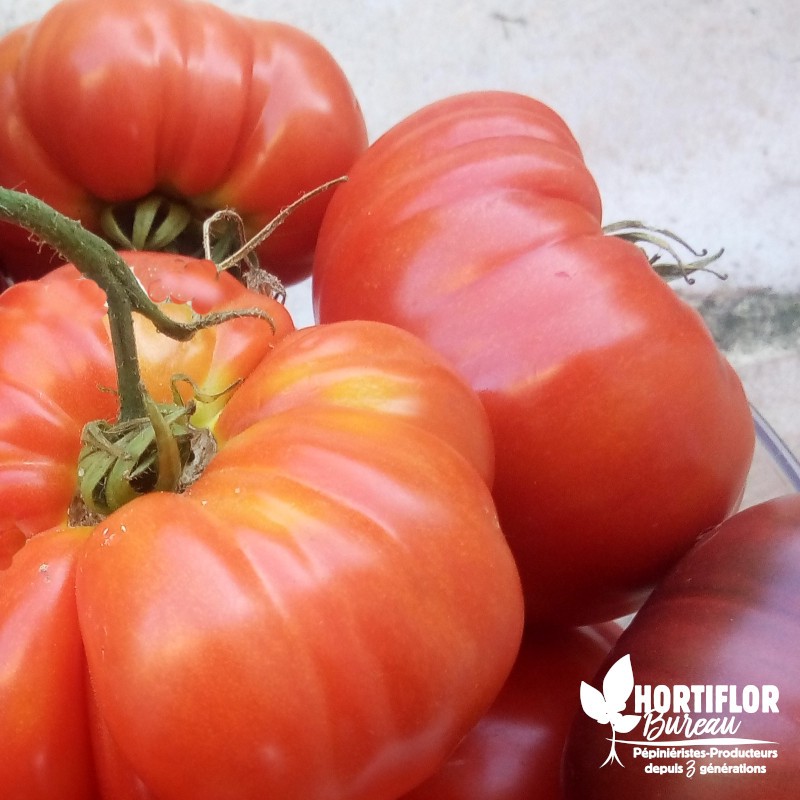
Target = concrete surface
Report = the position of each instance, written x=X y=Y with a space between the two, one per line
x=686 y=112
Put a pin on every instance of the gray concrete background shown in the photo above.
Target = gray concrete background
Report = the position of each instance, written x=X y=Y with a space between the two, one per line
x=686 y=111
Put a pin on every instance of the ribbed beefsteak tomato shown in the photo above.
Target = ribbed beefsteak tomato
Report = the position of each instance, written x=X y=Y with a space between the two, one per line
x=130 y=114
x=323 y=613
x=621 y=432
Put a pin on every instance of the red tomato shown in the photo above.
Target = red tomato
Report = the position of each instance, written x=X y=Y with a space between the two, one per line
x=727 y=617
x=176 y=99
x=621 y=432
x=514 y=752
x=324 y=613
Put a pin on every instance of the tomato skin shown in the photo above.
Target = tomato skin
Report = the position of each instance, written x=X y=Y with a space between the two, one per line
x=177 y=97
x=362 y=366
x=728 y=613
x=45 y=735
x=514 y=752
x=621 y=432
x=324 y=613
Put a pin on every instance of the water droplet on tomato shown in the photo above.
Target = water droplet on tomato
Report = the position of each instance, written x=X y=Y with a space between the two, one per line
x=157 y=291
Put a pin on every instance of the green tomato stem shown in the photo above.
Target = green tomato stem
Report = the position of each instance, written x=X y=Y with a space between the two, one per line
x=96 y=260
x=146 y=449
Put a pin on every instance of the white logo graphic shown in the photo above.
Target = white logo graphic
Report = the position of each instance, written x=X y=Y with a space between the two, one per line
x=694 y=727
x=606 y=708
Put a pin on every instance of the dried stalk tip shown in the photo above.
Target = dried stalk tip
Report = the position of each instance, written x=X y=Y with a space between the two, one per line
x=658 y=242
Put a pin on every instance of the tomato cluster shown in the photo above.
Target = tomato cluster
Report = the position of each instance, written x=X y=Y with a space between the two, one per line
x=374 y=558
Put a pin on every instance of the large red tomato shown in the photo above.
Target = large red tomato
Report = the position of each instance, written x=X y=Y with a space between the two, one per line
x=107 y=103
x=324 y=613
x=514 y=752
x=714 y=654
x=621 y=432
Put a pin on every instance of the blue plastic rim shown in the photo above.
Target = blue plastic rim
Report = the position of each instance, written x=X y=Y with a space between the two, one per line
x=780 y=453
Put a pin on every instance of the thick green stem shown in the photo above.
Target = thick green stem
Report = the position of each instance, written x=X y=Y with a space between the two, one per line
x=98 y=261
x=123 y=341
x=148 y=447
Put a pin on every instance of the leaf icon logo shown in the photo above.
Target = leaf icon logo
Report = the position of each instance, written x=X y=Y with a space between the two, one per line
x=607 y=707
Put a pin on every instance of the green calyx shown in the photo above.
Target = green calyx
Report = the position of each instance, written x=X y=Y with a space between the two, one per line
x=123 y=460
x=160 y=452
x=155 y=222
x=161 y=223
